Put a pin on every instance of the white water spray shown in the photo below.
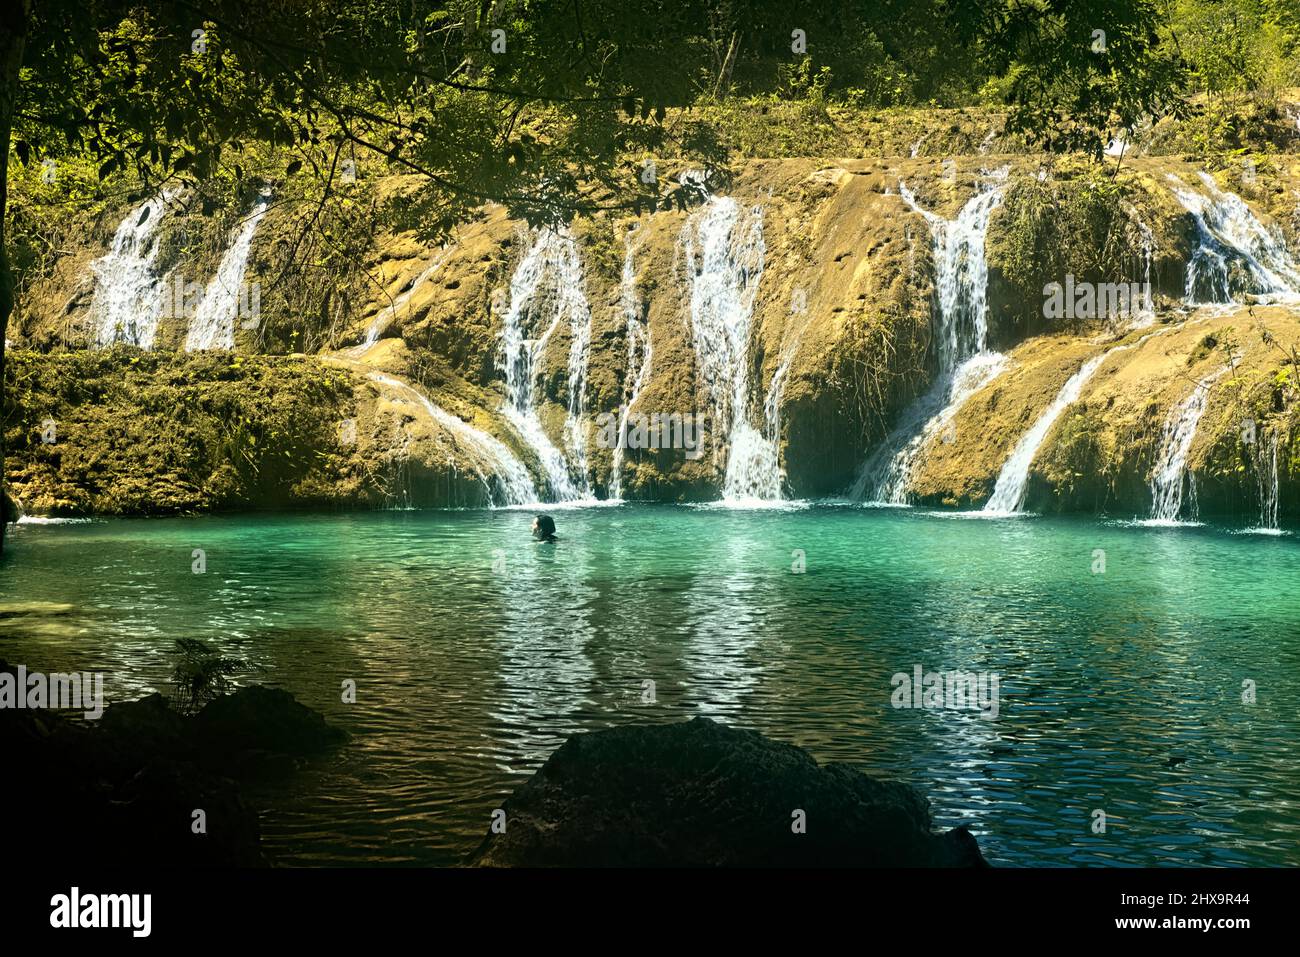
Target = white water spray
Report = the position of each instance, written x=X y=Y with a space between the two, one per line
x=128 y=294
x=960 y=319
x=639 y=356
x=724 y=252
x=1171 y=480
x=1266 y=481
x=1235 y=254
x=1146 y=315
x=1009 y=492
x=549 y=279
x=213 y=324
x=503 y=476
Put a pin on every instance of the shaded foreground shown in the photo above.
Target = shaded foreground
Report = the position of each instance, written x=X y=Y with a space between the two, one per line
x=131 y=784
x=700 y=794
x=148 y=786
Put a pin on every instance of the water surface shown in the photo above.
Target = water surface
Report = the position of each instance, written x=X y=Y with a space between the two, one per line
x=476 y=652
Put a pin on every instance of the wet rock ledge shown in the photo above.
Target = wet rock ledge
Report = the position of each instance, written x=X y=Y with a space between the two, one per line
x=700 y=794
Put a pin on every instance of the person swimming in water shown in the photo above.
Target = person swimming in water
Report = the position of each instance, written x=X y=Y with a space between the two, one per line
x=544 y=529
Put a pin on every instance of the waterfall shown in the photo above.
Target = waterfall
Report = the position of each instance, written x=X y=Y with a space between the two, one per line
x=639 y=354
x=213 y=324
x=961 y=272
x=1171 y=476
x=890 y=469
x=1146 y=316
x=766 y=483
x=754 y=472
x=504 y=478
x=128 y=295
x=1266 y=481
x=389 y=313
x=1235 y=253
x=1009 y=492
x=550 y=265
x=960 y=321
x=724 y=253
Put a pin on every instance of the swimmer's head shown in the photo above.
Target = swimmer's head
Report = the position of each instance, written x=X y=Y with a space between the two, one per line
x=543 y=528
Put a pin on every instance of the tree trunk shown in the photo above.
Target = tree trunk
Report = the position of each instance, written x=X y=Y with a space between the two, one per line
x=14 y=20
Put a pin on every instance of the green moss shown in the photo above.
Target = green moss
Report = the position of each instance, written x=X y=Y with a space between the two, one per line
x=157 y=433
x=1074 y=222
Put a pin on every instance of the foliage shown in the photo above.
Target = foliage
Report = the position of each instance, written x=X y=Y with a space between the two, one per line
x=201 y=674
x=141 y=432
x=1081 y=71
x=1075 y=221
x=278 y=94
x=1240 y=47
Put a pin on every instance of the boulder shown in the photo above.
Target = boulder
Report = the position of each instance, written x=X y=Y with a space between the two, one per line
x=148 y=724
x=134 y=779
x=263 y=719
x=108 y=786
x=701 y=794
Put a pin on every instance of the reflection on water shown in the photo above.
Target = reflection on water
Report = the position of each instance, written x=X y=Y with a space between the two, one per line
x=476 y=651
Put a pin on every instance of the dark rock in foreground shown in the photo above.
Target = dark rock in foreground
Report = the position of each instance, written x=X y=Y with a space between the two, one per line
x=125 y=788
x=700 y=794
x=263 y=719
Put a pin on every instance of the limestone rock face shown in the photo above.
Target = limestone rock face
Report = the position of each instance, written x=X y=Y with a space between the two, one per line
x=700 y=794
x=1100 y=453
x=836 y=336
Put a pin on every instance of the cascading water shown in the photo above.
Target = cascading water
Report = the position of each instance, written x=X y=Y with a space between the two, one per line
x=639 y=355
x=504 y=477
x=551 y=265
x=961 y=272
x=1009 y=492
x=770 y=479
x=1235 y=253
x=1171 y=477
x=754 y=472
x=128 y=294
x=1146 y=314
x=389 y=313
x=1266 y=481
x=960 y=319
x=724 y=251
x=213 y=324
